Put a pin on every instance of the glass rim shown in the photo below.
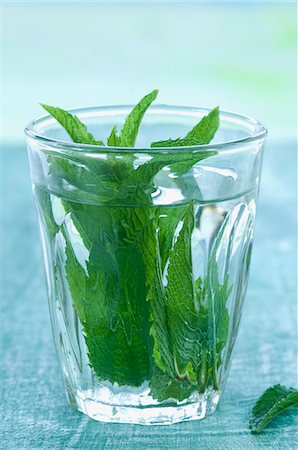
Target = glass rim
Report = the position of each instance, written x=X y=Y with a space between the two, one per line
x=159 y=109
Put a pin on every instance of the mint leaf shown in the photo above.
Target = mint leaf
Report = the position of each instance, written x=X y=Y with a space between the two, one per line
x=159 y=329
x=120 y=350
x=205 y=130
x=131 y=126
x=204 y=362
x=271 y=403
x=216 y=296
x=214 y=317
x=74 y=127
x=96 y=181
x=169 y=217
x=110 y=298
x=179 y=164
x=114 y=140
x=202 y=133
x=164 y=387
x=173 y=376
x=181 y=302
x=197 y=317
x=179 y=142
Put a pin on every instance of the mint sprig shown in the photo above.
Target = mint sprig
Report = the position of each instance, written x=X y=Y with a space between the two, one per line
x=137 y=327
x=272 y=402
x=74 y=127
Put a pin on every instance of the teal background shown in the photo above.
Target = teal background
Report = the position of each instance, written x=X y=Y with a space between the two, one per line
x=241 y=56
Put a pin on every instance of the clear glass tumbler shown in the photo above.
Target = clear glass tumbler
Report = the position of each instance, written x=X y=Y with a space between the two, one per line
x=147 y=253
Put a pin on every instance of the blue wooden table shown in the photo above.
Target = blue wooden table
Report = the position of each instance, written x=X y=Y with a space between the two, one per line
x=33 y=407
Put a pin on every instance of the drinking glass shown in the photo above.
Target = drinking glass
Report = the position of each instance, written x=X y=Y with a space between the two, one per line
x=146 y=253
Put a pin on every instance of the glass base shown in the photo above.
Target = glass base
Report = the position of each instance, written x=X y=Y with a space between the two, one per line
x=160 y=414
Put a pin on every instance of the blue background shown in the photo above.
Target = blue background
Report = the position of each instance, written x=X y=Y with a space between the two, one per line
x=241 y=56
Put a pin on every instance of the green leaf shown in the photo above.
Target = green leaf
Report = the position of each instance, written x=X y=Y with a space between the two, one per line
x=159 y=329
x=213 y=318
x=163 y=387
x=90 y=179
x=131 y=126
x=120 y=350
x=205 y=130
x=202 y=364
x=110 y=298
x=179 y=164
x=138 y=184
x=186 y=164
x=169 y=217
x=181 y=301
x=188 y=313
x=90 y=183
x=114 y=140
x=273 y=401
x=202 y=133
x=218 y=318
x=74 y=127
x=179 y=142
